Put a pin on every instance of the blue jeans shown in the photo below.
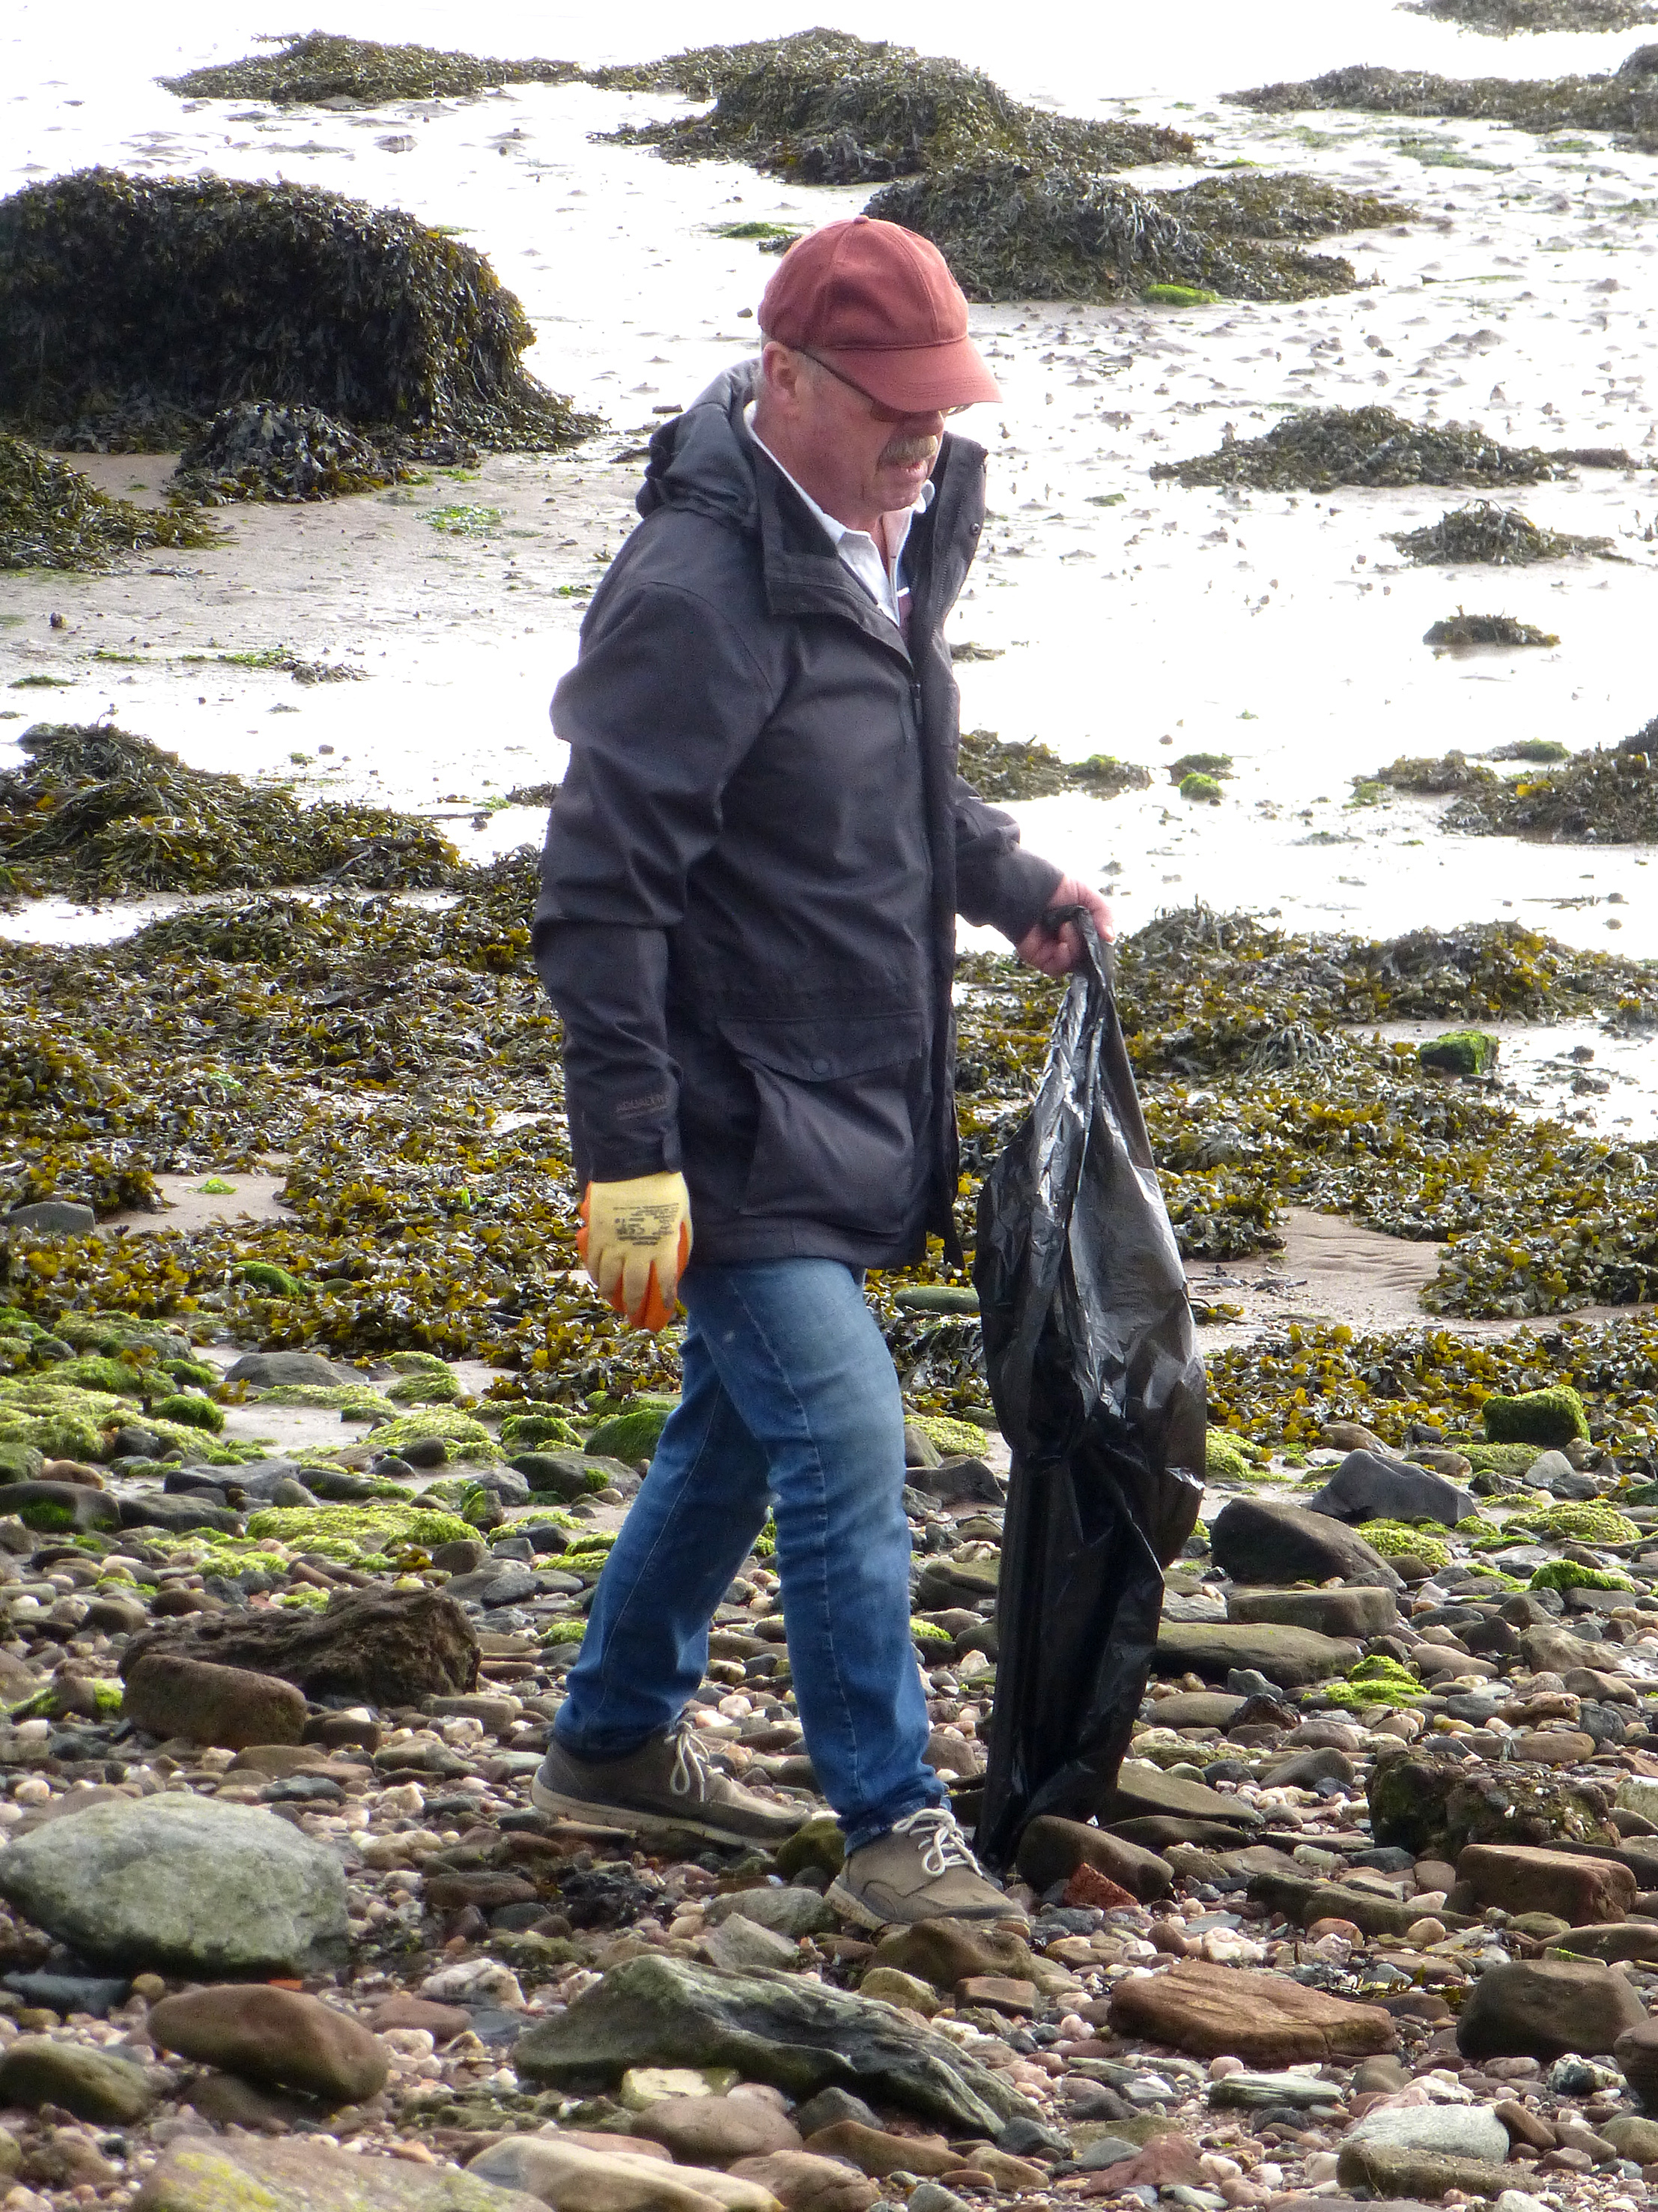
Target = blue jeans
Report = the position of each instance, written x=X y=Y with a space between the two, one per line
x=790 y=1403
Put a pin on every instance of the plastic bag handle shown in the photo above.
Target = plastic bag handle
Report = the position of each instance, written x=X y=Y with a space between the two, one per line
x=1100 y=956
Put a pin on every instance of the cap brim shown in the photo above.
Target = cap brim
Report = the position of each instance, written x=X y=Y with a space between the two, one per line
x=917 y=379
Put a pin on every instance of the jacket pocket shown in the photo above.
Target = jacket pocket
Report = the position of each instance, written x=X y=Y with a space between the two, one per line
x=842 y=1106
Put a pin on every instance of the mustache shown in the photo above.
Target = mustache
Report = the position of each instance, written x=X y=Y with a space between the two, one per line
x=898 y=451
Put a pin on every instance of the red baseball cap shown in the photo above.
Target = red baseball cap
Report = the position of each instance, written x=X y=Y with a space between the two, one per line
x=879 y=303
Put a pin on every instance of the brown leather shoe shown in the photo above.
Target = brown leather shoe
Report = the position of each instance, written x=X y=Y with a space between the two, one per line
x=921 y=1870
x=668 y=1783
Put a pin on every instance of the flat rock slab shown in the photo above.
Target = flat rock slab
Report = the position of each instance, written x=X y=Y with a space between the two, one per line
x=1212 y=2012
x=1301 y=1899
x=1294 y=1658
x=204 y=2174
x=177 y=1881
x=1144 y=1791
x=1360 y=1612
x=1391 y=2172
x=800 y=2036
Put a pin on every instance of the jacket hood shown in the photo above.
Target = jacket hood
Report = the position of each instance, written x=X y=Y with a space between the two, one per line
x=702 y=459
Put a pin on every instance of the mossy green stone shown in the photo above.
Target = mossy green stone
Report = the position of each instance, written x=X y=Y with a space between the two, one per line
x=631 y=1435
x=194 y=1412
x=463 y=1437
x=372 y=1526
x=1459 y=1052
x=1397 y=1539
x=1224 y=1460
x=1549 y=1419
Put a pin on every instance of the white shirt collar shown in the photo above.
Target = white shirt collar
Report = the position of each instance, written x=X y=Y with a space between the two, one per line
x=858 y=551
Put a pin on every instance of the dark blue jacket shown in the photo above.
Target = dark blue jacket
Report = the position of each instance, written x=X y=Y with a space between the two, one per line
x=752 y=873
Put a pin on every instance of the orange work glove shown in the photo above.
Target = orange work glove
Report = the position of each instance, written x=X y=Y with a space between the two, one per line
x=634 y=1240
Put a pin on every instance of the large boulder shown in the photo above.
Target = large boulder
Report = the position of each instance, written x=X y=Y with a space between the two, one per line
x=1263 y=1540
x=1215 y=2011
x=1294 y=1658
x=1543 y=2007
x=168 y=1695
x=801 y=2036
x=388 y=1647
x=177 y=1881
x=1433 y=1810
x=1368 y=1487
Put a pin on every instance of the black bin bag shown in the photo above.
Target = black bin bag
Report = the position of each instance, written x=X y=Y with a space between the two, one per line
x=1096 y=1382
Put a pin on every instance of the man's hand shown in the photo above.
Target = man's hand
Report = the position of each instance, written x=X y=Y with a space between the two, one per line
x=1056 y=952
x=634 y=1240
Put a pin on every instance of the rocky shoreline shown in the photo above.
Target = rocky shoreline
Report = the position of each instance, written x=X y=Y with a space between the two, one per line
x=1374 y=1906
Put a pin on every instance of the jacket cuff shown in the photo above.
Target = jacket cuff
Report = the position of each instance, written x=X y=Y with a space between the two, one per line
x=1020 y=890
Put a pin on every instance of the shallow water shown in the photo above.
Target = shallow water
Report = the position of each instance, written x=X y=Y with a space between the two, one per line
x=1282 y=630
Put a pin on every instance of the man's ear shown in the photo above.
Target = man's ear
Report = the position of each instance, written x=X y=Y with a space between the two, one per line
x=781 y=369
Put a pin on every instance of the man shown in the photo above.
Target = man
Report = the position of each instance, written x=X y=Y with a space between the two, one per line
x=747 y=923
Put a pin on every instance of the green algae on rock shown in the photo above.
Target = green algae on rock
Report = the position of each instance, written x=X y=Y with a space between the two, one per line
x=1502 y=536
x=134 y=309
x=1548 y=1418
x=257 y=450
x=1462 y=629
x=1459 y=1052
x=94 y=812
x=51 y=516
x=374 y=1524
x=1013 y=230
x=1316 y=448
x=1626 y=101
x=823 y=107
x=323 y=68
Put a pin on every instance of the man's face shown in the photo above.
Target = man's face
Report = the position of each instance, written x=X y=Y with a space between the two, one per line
x=858 y=460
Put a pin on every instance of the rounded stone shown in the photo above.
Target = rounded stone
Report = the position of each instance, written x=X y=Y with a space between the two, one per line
x=174 y=1881
x=279 y=2036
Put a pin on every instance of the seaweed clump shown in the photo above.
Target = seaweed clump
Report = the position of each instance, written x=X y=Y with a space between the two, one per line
x=322 y=69
x=1285 y=206
x=1010 y=230
x=1463 y=629
x=823 y=107
x=1501 y=536
x=1605 y=797
x=96 y=812
x=999 y=770
x=1627 y=102
x=133 y=309
x=51 y=516
x=257 y=450
x=1317 y=449
x=1502 y=19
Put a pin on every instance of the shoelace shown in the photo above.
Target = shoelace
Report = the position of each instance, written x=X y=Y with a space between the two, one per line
x=691 y=1774
x=944 y=1847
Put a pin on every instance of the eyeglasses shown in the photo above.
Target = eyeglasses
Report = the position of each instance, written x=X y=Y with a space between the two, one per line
x=878 y=408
